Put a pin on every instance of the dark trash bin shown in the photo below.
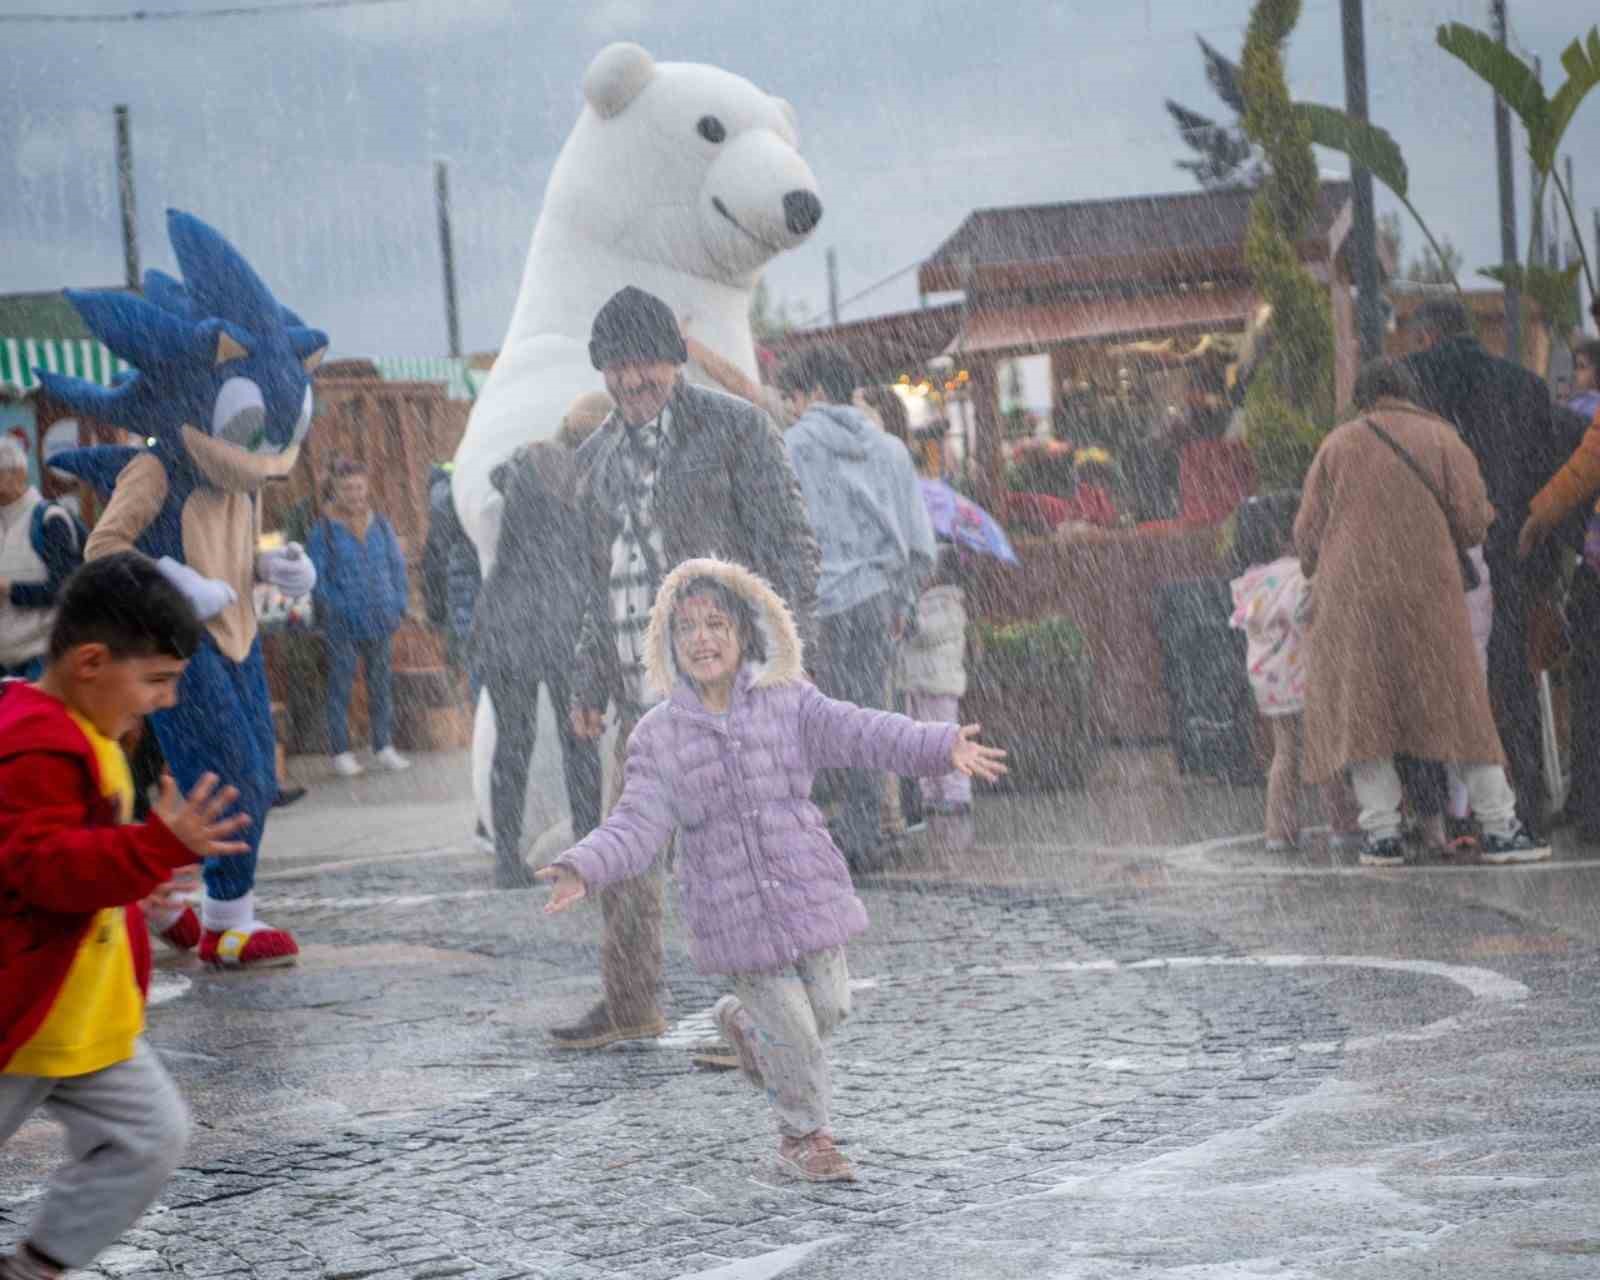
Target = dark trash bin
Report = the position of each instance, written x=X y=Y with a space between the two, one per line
x=1210 y=710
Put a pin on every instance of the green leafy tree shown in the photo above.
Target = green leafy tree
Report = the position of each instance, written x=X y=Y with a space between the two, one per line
x=1289 y=404
x=769 y=321
x=1372 y=148
x=1224 y=154
x=1546 y=120
x=1437 y=264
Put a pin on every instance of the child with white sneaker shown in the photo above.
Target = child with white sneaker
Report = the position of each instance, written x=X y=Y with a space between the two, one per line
x=360 y=600
x=727 y=761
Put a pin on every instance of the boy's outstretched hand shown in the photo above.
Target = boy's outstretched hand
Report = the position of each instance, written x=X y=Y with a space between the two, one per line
x=973 y=758
x=568 y=887
x=198 y=820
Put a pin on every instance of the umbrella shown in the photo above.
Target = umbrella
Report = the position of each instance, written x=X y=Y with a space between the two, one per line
x=964 y=521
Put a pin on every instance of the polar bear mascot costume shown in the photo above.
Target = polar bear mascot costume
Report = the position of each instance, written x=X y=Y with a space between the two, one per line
x=679 y=178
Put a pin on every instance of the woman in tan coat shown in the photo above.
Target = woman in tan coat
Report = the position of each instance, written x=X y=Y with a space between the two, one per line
x=1392 y=669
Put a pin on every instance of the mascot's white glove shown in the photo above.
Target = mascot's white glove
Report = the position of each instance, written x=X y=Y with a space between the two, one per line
x=290 y=570
x=208 y=596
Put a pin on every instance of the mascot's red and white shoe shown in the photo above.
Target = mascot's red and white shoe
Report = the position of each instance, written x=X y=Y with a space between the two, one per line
x=183 y=934
x=232 y=937
x=261 y=948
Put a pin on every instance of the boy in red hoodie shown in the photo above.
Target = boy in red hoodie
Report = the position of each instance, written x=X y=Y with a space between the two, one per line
x=74 y=951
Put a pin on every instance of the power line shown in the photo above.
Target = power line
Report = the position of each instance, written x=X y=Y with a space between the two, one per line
x=871 y=288
x=168 y=15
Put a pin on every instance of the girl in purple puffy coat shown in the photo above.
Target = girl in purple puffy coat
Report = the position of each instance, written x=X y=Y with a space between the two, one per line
x=727 y=762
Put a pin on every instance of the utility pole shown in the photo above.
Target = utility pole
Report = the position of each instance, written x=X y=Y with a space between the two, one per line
x=1508 y=196
x=833 y=287
x=1596 y=300
x=130 y=216
x=452 y=316
x=1369 y=303
x=1536 y=229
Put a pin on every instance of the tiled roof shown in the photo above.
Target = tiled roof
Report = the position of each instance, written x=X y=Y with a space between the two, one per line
x=1091 y=234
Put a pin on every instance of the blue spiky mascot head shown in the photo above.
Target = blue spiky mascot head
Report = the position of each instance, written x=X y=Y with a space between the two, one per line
x=220 y=395
x=222 y=371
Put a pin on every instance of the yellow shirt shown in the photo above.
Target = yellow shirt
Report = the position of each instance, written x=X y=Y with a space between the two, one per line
x=99 y=1012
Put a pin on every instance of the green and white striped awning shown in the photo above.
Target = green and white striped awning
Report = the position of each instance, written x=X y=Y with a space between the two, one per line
x=461 y=382
x=86 y=358
x=79 y=357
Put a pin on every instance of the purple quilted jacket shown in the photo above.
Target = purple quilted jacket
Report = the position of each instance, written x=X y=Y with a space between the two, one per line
x=762 y=881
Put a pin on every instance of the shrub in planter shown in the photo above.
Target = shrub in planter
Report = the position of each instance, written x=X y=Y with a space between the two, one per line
x=1042 y=466
x=1030 y=690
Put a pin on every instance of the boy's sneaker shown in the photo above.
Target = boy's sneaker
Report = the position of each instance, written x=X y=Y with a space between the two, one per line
x=347 y=766
x=1521 y=847
x=722 y=1014
x=183 y=934
x=814 y=1158
x=392 y=760
x=264 y=948
x=1387 y=851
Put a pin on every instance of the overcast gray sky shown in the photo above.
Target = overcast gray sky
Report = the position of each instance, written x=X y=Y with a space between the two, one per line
x=309 y=137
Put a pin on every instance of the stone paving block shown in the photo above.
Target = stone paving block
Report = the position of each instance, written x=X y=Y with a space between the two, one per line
x=955 y=1087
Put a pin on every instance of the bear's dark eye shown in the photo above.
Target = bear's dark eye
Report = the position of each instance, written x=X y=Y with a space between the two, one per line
x=711 y=129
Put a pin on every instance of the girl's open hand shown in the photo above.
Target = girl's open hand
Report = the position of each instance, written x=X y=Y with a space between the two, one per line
x=568 y=887
x=973 y=758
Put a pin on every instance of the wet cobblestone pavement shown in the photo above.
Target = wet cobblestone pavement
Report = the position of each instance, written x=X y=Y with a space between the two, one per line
x=1138 y=1058
x=1000 y=1042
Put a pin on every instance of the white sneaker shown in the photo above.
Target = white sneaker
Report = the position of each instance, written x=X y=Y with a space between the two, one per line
x=347 y=766
x=392 y=760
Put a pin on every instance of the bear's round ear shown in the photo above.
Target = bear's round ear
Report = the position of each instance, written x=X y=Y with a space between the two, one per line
x=616 y=77
x=787 y=107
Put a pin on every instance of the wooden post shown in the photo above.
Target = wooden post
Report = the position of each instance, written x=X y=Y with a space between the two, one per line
x=1058 y=369
x=988 y=458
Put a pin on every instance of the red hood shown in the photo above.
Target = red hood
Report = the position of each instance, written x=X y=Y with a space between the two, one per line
x=34 y=721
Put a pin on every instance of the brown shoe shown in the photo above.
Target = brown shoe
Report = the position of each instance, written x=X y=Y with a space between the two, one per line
x=814 y=1158
x=744 y=1052
x=596 y=1029
x=714 y=1055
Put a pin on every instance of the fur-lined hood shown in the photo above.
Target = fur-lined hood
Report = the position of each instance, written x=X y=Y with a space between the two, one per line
x=785 y=661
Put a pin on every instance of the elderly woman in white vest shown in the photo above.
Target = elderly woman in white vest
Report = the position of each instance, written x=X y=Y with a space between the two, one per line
x=40 y=546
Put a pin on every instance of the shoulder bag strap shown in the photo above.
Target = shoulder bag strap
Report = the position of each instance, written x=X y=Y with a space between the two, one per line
x=1469 y=571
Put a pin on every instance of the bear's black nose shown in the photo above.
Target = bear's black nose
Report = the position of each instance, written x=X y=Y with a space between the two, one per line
x=801 y=211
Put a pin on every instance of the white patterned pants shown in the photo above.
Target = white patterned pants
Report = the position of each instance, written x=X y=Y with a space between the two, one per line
x=788 y=1017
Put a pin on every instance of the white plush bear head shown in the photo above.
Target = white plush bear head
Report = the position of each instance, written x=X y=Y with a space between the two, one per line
x=683 y=165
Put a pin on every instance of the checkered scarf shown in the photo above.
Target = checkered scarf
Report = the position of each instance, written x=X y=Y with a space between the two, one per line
x=637 y=553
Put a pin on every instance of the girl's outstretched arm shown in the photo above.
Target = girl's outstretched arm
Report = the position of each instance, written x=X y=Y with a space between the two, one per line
x=628 y=841
x=841 y=735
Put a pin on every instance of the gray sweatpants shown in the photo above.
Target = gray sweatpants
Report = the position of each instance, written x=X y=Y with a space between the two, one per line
x=788 y=1017
x=126 y=1128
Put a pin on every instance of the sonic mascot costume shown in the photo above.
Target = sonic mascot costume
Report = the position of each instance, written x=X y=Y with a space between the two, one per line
x=221 y=394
